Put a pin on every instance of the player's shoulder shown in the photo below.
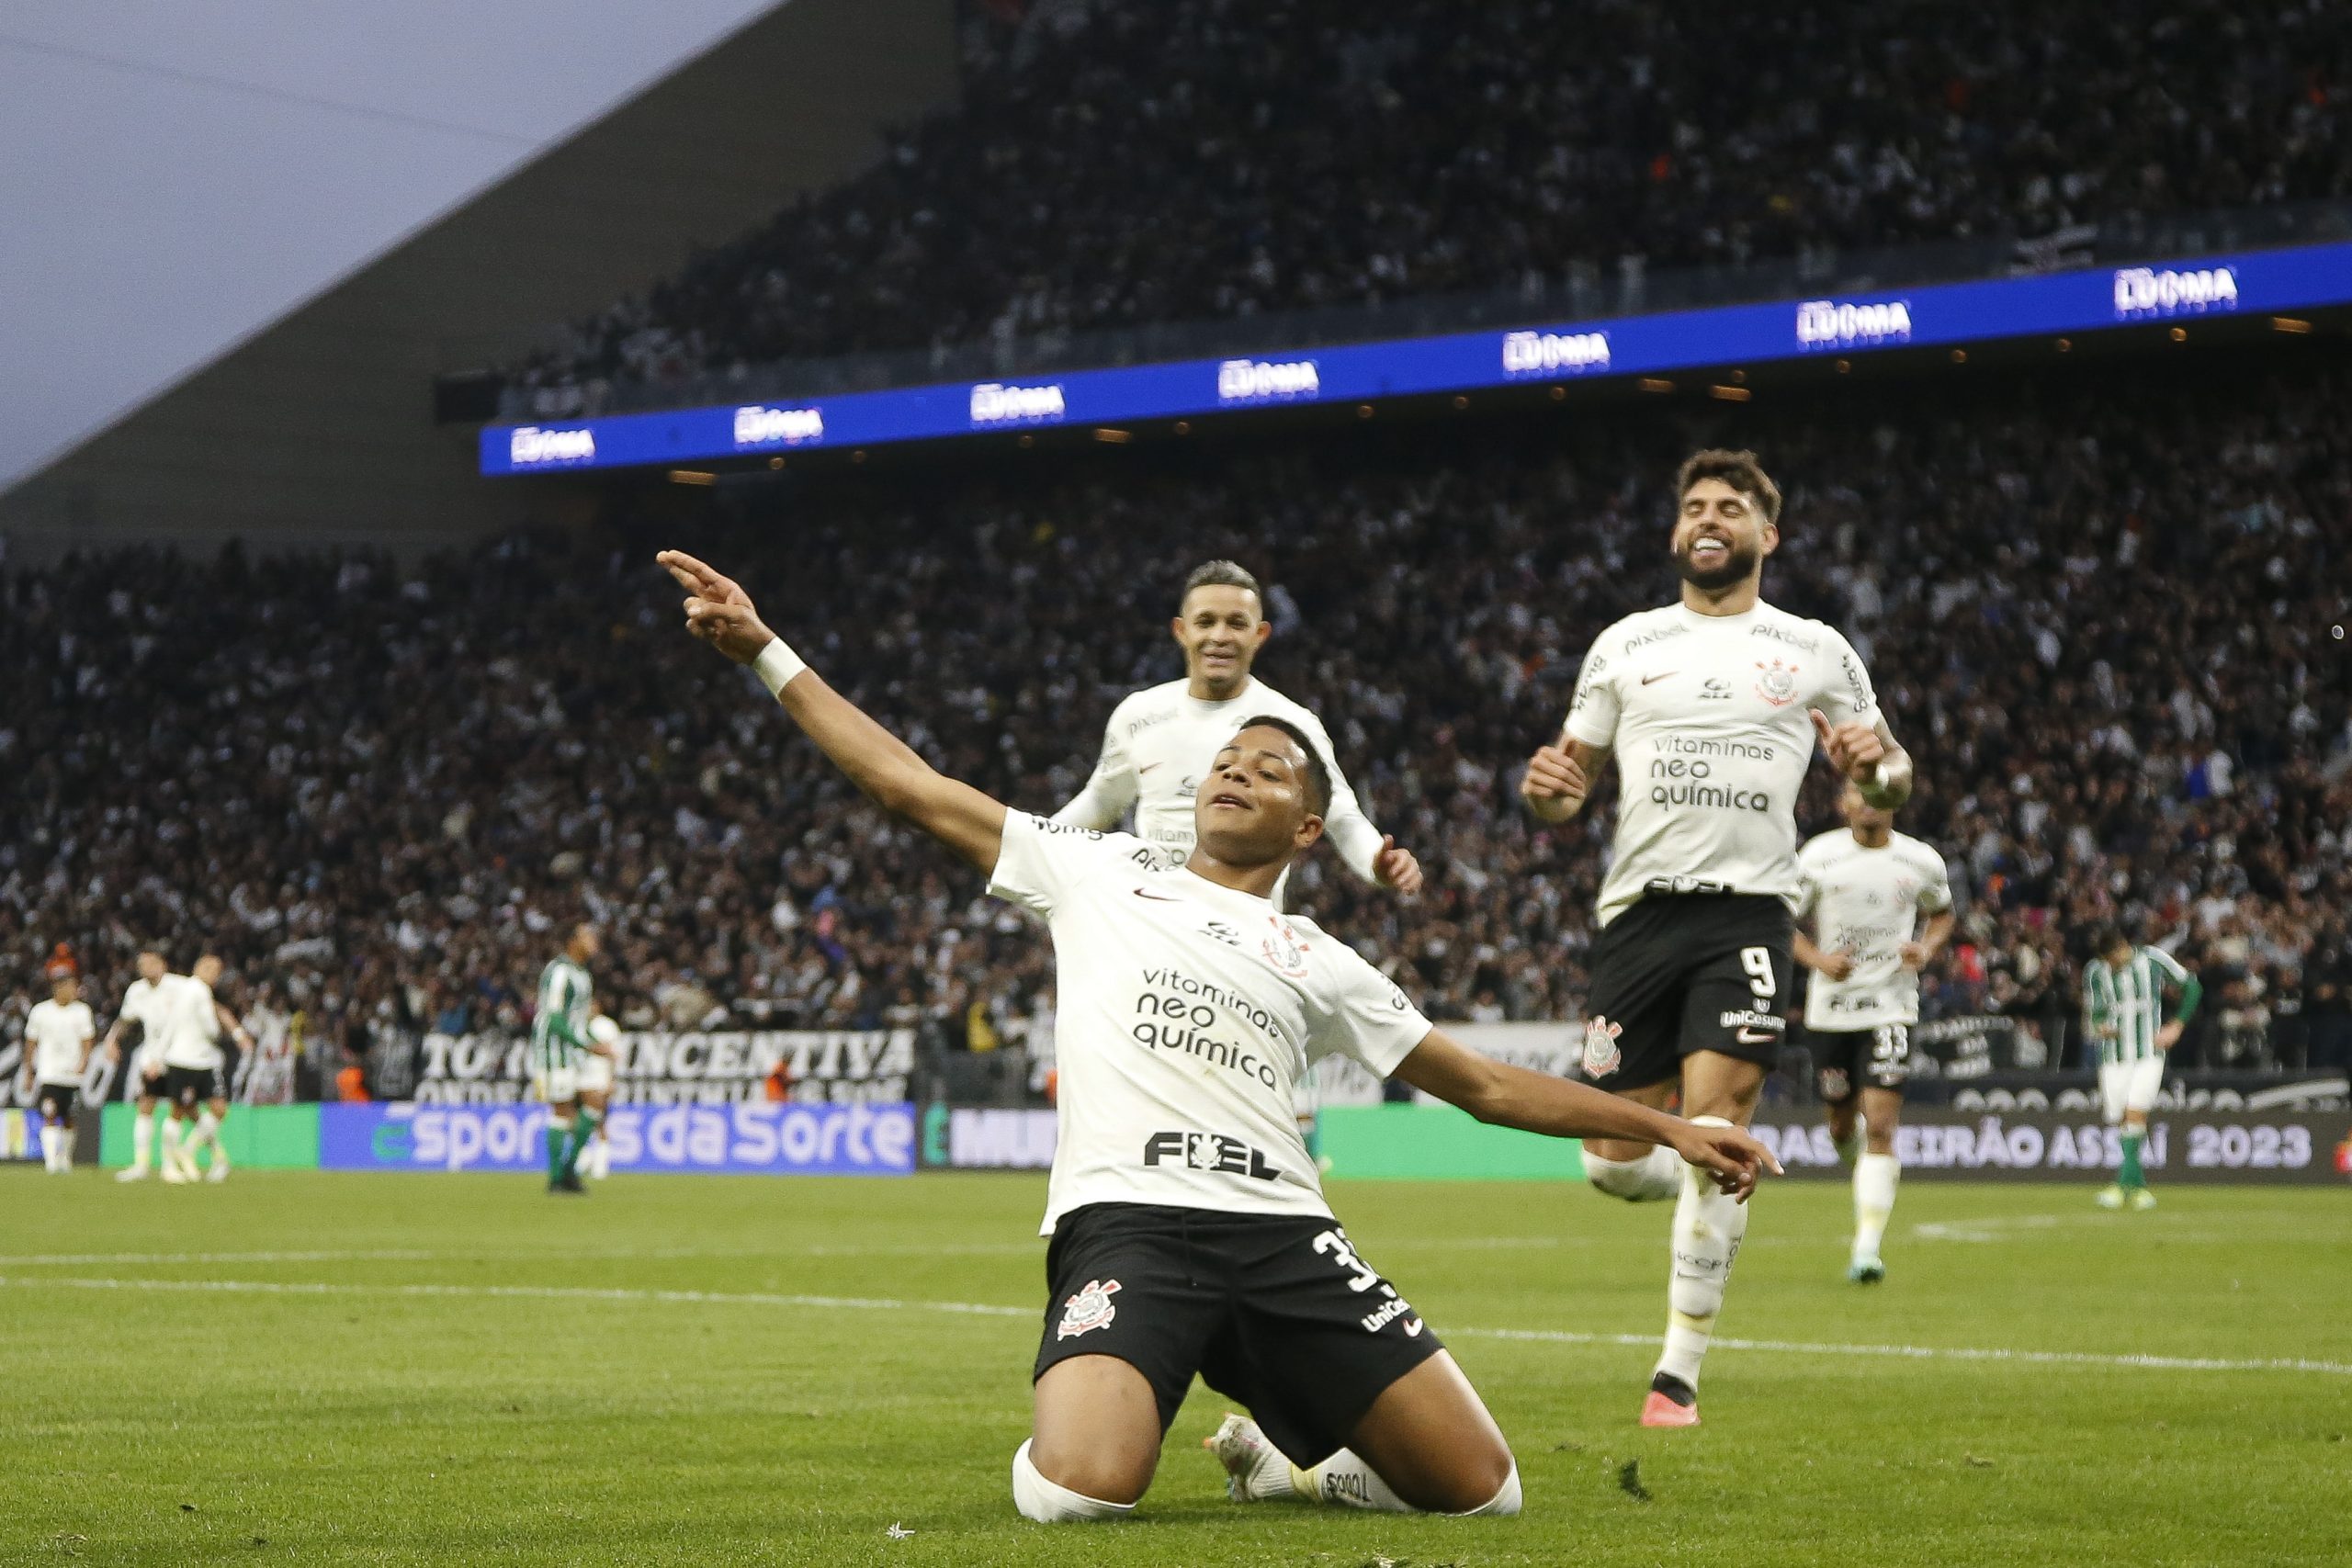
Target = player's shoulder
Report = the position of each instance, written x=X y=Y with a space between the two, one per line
x=1067 y=838
x=1919 y=853
x=1627 y=633
x=1262 y=698
x=1147 y=700
x=1824 y=846
x=1803 y=632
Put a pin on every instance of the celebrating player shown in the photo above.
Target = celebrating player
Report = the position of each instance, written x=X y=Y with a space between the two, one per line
x=1189 y=1232
x=559 y=1044
x=1865 y=887
x=2123 y=989
x=195 y=1086
x=1705 y=705
x=147 y=1002
x=57 y=1033
x=1158 y=742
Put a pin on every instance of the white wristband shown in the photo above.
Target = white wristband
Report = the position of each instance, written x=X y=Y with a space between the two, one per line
x=777 y=664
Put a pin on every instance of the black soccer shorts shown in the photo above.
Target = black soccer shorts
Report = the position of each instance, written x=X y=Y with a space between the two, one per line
x=1846 y=1059
x=1681 y=973
x=1274 y=1312
x=190 y=1087
x=55 y=1101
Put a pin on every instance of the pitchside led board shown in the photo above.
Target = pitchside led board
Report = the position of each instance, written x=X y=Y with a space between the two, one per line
x=2253 y=282
x=750 y=1138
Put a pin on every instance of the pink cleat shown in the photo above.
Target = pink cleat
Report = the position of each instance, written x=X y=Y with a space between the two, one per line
x=1659 y=1410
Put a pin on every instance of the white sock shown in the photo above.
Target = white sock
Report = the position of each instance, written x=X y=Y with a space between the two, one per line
x=1346 y=1481
x=1850 y=1146
x=53 y=1144
x=1876 y=1177
x=142 y=1139
x=1707 y=1230
x=600 y=1155
x=1653 y=1177
x=174 y=1131
x=208 y=1130
x=1049 y=1503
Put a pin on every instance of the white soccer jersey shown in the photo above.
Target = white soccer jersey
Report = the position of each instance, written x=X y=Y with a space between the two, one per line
x=195 y=1038
x=1866 y=903
x=1157 y=748
x=1187 y=1013
x=56 y=1038
x=1708 y=717
x=150 y=1005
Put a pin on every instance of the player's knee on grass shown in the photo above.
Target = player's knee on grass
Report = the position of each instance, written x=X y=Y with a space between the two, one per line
x=1078 y=1490
x=1654 y=1177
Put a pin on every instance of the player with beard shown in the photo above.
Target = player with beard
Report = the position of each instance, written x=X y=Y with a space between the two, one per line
x=1190 y=1232
x=1712 y=707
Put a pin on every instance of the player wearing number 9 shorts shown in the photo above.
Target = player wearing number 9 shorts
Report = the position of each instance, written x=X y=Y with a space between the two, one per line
x=1711 y=707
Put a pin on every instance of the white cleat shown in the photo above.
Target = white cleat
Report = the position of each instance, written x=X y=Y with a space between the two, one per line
x=1247 y=1456
x=2111 y=1197
x=131 y=1173
x=219 y=1170
x=175 y=1174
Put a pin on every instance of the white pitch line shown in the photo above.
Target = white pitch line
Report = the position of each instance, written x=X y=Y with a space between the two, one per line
x=983 y=1309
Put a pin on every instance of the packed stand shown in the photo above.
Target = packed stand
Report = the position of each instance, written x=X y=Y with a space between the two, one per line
x=1123 y=163
x=2109 y=622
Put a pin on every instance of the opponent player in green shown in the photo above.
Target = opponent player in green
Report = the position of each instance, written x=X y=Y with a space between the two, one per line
x=2123 y=991
x=559 y=1047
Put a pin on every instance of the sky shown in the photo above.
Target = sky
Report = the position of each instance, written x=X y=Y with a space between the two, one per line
x=177 y=174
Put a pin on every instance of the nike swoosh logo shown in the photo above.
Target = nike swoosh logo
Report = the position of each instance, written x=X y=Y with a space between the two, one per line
x=1154 y=897
x=1755 y=1036
x=1413 y=1329
x=1649 y=680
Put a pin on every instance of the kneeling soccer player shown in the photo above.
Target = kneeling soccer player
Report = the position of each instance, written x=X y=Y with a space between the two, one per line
x=1189 y=1232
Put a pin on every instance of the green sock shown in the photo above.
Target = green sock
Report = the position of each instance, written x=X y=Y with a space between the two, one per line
x=2129 y=1175
x=559 y=1139
x=583 y=1127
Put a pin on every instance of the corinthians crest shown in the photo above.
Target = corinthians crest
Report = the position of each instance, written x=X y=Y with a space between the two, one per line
x=1283 y=950
x=1089 y=1310
x=1777 y=683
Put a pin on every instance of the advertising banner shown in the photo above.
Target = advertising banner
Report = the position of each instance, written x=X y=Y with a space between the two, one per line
x=1942 y=1143
x=756 y=1138
x=834 y=1067
x=969 y=1137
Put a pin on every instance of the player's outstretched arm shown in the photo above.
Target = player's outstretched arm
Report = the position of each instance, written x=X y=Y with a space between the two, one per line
x=885 y=768
x=1537 y=1102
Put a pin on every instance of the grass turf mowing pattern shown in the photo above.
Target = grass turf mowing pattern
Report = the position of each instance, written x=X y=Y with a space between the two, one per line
x=419 y=1411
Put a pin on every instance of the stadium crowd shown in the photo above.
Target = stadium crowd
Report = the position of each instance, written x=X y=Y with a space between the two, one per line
x=2110 y=620
x=1116 y=164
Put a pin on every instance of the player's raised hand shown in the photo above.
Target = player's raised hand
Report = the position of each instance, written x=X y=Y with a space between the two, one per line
x=718 y=610
x=1554 y=785
x=1854 y=748
x=1397 y=869
x=1736 y=1160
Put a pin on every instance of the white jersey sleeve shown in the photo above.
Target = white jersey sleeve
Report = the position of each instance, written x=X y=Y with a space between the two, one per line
x=1935 y=878
x=1349 y=831
x=1847 y=697
x=1111 y=789
x=1043 y=862
x=1592 y=712
x=1366 y=1017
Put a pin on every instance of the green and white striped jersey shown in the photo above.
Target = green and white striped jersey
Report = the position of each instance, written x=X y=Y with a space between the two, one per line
x=2131 y=1001
x=560 y=1028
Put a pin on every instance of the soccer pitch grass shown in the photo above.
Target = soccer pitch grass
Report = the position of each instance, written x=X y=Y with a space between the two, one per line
x=418 y=1369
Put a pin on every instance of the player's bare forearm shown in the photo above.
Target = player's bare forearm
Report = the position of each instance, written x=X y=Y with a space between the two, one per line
x=1507 y=1096
x=1939 y=933
x=1808 y=955
x=720 y=612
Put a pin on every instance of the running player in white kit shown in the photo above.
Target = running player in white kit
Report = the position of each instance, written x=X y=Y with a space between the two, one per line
x=1158 y=745
x=1865 y=887
x=1711 y=707
x=57 y=1033
x=1190 y=1230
